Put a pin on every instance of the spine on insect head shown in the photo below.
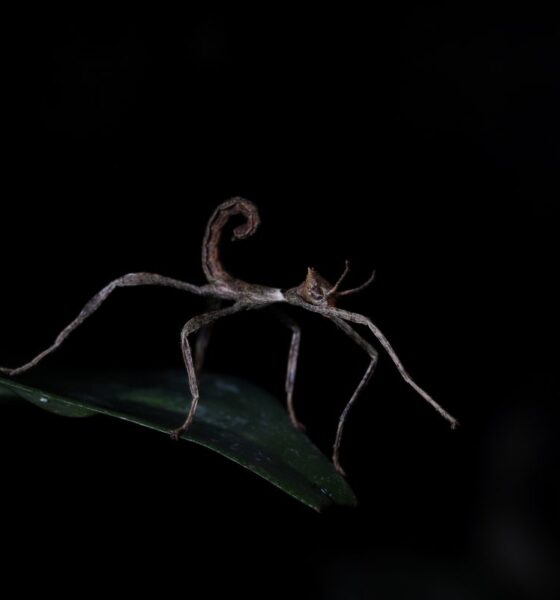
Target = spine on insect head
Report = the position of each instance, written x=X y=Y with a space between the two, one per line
x=211 y=262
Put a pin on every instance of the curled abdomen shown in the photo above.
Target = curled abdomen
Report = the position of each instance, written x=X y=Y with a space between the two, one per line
x=211 y=262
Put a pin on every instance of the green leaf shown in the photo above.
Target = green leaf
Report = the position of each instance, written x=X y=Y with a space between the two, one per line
x=234 y=418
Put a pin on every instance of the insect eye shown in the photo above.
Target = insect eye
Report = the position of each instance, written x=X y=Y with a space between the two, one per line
x=316 y=291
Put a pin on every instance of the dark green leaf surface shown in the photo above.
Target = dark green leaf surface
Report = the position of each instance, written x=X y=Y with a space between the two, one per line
x=235 y=418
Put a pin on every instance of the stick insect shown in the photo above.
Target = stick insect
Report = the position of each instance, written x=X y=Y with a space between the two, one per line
x=315 y=294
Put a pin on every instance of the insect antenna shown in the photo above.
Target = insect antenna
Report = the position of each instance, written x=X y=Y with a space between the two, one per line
x=359 y=288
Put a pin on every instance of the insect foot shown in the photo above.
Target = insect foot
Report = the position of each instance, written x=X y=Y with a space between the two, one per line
x=176 y=434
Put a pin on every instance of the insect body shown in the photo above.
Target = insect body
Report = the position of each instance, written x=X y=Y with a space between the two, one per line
x=315 y=294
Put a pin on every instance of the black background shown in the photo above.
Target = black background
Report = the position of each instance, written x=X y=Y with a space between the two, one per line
x=421 y=142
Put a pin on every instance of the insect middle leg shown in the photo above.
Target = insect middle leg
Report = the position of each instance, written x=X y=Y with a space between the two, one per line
x=192 y=326
x=203 y=338
x=293 y=355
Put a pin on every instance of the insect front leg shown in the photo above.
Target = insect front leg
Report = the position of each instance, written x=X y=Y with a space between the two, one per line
x=372 y=353
x=360 y=319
